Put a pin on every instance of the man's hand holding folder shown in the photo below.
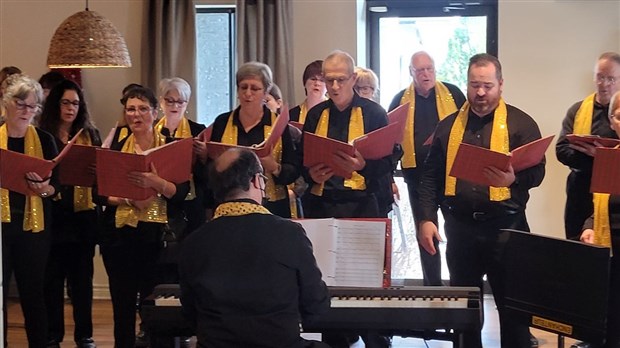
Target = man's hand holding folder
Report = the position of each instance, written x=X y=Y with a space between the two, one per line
x=483 y=166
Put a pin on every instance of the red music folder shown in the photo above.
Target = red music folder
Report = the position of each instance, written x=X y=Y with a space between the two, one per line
x=15 y=165
x=471 y=160
x=372 y=146
x=215 y=149
x=592 y=139
x=172 y=161
x=351 y=251
x=297 y=125
x=318 y=149
x=75 y=168
x=606 y=171
x=399 y=116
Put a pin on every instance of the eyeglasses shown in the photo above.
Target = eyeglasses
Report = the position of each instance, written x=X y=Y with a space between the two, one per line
x=67 y=102
x=172 y=102
x=365 y=89
x=606 y=79
x=142 y=110
x=423 y=70
x=20 y=105
x=265 y=178
x=340 y=80
x=253 y=89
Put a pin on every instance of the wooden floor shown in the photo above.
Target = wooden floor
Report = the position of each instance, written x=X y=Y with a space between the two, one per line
x=103 y=329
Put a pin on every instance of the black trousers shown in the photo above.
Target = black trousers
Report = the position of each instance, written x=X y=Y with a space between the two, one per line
x=132 y=269
x=579 y=206
x=317 y=207
x=25 y=254
x=73 y=262
x=431 y=264
x=472 y=252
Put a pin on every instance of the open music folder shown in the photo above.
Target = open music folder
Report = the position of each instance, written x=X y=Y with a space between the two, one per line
x=592 y=140
x=75 y=168
x=172 y=161
x=15 y=165
x=606 y=171
x=471 y=160
x=215 y=149
x=352 y=252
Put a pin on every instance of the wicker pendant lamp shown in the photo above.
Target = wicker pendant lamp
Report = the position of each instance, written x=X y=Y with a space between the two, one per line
x=87 y=40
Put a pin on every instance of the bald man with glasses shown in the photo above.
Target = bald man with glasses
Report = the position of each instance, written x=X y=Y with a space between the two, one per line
x=430 y=101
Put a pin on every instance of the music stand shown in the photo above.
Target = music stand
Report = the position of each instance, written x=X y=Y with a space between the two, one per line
x=556 y=285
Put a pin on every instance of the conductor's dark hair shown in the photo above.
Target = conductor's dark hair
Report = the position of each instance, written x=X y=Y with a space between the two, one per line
x=236 y=177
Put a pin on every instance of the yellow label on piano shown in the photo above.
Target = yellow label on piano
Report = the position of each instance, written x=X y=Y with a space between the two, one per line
x=552 y=325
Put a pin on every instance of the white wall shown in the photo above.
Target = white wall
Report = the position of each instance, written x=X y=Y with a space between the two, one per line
x=548 y=50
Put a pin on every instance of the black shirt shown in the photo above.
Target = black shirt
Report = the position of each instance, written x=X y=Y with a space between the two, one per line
x=425 y=121
x=578 y=161
x=247 y=281
x=256 y=135
x=374 y=117
x=470 y=197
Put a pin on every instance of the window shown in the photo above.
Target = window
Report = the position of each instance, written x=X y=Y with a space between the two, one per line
x=451 y=32
x=215 y=61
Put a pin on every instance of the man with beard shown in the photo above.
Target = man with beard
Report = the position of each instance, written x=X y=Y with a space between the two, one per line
x=473 y=213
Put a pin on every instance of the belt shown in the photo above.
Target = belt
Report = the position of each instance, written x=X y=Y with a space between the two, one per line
x=481 y=216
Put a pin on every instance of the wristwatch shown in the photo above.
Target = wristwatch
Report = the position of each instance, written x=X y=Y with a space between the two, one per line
x=44 y=194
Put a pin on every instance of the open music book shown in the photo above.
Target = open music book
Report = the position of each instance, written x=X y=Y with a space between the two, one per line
x=172 y=161
x=606 y=171
x=591 y=139
x=373 y=145
x=75 y=168
x=15 y=165
x=471 y=160
x=351 y=252
x=215 y=149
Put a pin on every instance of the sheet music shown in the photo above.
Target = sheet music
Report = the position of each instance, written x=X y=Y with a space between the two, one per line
x=348 y=252
x=322 y=234
x=360 y=253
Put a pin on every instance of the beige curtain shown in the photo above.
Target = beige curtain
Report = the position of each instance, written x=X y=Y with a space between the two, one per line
x=169 y=44
x=264 y=34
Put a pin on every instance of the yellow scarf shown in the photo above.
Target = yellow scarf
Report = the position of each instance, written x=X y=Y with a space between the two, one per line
x=356 y=130
x=157 y=211
x=183 y=131
x=583 y=126
x=83 y=196
x=272 y=191
x=445 y=106
x=303 y=111
x=499 y=143
x=239 y=209
x=33 y=211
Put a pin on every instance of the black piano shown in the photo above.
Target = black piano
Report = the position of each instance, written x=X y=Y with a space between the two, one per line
x=556 y=285
x=441 y=313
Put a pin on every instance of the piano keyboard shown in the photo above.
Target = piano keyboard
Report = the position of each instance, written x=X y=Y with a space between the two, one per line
x=398 y=302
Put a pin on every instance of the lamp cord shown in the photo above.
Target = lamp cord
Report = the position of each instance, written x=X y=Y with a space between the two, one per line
x=86 y=5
